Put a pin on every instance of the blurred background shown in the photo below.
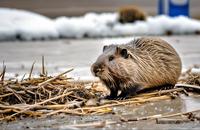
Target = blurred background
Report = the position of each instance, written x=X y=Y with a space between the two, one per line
x=94 y=18
x=54 y=8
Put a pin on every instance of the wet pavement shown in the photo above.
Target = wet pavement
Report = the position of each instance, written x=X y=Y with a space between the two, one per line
x=61 y=55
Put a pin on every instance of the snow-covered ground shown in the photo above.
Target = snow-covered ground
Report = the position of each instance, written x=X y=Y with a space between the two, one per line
x=25 y=25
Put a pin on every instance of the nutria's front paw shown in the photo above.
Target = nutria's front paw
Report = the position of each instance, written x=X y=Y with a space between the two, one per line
x=123 y=97
x=108 y=97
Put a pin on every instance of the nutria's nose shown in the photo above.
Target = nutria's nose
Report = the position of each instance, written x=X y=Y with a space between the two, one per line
x=97 y=69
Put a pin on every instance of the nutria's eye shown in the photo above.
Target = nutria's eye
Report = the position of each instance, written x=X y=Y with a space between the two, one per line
x=124 y=53
x=111 y=58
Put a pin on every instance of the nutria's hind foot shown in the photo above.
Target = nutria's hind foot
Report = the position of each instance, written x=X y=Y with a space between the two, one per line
x=113 y=94
x=129 y=92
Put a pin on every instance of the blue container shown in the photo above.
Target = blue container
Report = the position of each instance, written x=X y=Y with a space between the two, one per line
x=173 y=7
x=178 y=7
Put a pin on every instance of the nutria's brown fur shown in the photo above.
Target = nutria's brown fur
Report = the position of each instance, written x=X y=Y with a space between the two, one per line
x=143 y=63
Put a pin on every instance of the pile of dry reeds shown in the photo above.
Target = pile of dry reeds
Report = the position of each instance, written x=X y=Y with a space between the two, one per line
x=46 y=95
x=43 y=95
x=190 y=80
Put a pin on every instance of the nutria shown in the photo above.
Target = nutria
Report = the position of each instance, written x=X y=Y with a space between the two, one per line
x=138 y=65
x=129 y=14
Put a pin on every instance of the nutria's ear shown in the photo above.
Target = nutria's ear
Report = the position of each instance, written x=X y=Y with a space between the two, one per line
x=118 y=50
x=104 y=47
x=124 y=53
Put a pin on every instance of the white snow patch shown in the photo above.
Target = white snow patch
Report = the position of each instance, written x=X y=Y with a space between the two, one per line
x=28 y=26
x=195 y=70
x=101 y=25
x=90 y=25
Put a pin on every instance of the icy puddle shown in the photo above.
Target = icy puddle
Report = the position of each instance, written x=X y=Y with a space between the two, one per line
x=62 y=121
x=180 y=104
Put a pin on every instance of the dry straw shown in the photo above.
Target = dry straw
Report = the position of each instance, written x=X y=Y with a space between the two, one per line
x=45 y=96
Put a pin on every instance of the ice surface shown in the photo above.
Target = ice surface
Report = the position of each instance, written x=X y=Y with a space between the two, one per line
x=27 y=25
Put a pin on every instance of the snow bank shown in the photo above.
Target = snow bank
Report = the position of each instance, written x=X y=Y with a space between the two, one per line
x=195 y=70
x=29 y=26
x=101 y=25
x=25 y=25
x=90 y=25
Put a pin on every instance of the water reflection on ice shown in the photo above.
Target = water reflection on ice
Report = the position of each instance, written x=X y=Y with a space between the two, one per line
x=180 y=104
x=190 y=103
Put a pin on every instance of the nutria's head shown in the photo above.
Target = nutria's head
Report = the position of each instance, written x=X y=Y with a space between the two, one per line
x=113 y=64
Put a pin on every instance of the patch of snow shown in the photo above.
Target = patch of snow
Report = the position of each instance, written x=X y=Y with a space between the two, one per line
x=101 y=25
x=89 y=25
x=26 y=25
x=195 y=70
